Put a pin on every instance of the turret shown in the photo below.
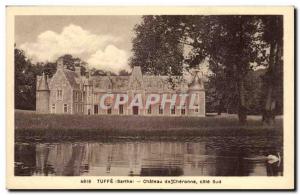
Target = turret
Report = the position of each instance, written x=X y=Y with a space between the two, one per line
x=197 y=83
x=42 y=94
x=197 y=96
x=136 y=78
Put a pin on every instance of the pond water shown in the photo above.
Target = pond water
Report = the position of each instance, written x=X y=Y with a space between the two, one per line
x=129 y=156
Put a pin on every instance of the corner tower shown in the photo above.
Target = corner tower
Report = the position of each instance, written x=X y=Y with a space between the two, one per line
x=42 y=94
x=196 y=89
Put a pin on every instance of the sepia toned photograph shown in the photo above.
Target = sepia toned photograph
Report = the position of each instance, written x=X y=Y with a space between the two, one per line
x=145 y=98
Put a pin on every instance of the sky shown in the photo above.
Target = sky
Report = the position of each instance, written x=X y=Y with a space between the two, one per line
x=104 y=42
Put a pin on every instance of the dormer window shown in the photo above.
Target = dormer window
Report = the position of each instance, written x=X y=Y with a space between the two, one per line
x=78 y=96
x=59 y=94
x=75 y=96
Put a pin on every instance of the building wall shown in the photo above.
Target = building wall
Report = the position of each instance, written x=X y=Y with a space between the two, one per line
x=199 y=102
x=88 y=99
x=154 y=107
x=202 y=103
x=78 y=101
x=84 y=100
x=59 y=82
x=42 y=101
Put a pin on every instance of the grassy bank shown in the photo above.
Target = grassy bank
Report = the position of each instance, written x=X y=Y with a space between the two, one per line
x=31 y=125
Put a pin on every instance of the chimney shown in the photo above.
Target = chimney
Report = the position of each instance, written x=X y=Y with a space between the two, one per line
x=60 y=64
x=78 y=70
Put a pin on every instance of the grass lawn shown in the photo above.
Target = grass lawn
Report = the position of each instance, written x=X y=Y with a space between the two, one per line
x=30 y=124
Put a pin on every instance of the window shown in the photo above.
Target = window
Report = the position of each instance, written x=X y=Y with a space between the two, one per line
x=80 y=108
x=65 y=108
x=149 y=109
x=76 y=107
x=160 y=110
x=89 y=92
x=109 y=111
x=79 y=96
x=96 y=109
x=59 y=95
x=183 y=110
x=197 y=109
x=53 y=108
x=135 y=110
x=121 y=110
x=75 y=96
x=173 y=109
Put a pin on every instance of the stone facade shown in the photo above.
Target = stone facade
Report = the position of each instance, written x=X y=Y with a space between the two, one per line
x=68 y=92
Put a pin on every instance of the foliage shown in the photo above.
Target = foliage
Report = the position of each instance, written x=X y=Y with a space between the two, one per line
x=254 y=86
x=273 y=79
x=25 y=81
x=157 y=49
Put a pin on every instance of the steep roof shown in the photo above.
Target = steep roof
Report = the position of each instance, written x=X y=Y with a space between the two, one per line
x=73 y=78
x=110 y=82
x=151 y=83
x=43 y=84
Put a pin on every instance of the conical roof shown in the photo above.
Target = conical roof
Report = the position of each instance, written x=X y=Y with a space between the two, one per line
x=43 y=84
x=136 y=78
x=196 y=83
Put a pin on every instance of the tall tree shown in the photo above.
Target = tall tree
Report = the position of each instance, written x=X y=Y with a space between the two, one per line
x=156 y=47
x=25 y=79
x=273 y=36
x=231 y=45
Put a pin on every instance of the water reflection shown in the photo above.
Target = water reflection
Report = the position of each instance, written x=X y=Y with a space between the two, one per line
x=213 y=156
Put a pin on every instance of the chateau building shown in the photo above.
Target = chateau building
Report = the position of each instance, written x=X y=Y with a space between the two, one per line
x=69 y=92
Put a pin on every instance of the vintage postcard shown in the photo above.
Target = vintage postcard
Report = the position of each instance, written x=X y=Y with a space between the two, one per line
x=150 y=98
